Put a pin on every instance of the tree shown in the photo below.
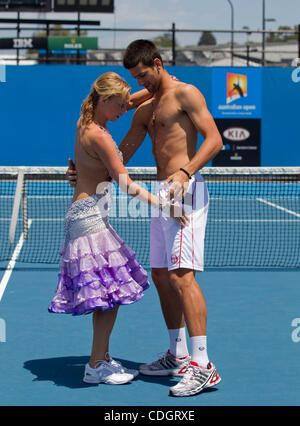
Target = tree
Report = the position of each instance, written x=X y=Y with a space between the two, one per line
x=282 y=37
x=59 y=31
x=207 y=39
x=164 y=41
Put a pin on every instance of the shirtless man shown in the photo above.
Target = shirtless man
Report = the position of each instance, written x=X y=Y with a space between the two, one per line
x=173 y=117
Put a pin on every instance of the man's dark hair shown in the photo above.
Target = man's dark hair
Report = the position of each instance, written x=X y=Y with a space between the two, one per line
x=143 y=51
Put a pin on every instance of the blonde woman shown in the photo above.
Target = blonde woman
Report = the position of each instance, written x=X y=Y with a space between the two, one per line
x=98 y=271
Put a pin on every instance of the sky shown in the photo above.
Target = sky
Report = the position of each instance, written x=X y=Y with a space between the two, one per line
x=186 y=14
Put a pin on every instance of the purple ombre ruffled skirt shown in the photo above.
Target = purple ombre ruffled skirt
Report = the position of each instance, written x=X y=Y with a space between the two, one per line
x=97 y=270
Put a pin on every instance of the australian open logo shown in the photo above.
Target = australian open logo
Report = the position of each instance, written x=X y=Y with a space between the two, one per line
x=236 y=87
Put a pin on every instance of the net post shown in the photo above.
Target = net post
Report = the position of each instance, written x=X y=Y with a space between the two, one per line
x=299 y=41
x=16 y=206
x=25 y=210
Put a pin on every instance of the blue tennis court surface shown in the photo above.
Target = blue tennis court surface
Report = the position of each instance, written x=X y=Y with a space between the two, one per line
x=252 y=311
x=250 y=316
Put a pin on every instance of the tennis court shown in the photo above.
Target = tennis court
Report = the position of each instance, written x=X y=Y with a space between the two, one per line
x=251 y=286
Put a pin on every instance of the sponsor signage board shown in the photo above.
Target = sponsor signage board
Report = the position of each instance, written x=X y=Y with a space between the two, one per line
x=241 y=142
x=237 y=108
x=51 y=43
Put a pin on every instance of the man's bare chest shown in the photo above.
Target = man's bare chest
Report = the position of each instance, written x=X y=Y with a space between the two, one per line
x=163 y=114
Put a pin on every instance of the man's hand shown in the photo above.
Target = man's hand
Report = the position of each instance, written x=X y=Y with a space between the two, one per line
x=72 y=173
x=178 y=214
x=179 y=185
x=175 y=211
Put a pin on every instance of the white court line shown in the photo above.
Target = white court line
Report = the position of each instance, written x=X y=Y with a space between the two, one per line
x=11 y=263
x=4 y=219
x=39 y=196
x=278 y=207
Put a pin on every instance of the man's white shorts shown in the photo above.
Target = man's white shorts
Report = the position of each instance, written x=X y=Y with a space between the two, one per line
x=174 y=246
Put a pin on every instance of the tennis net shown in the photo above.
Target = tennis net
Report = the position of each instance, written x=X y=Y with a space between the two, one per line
x=253 y=219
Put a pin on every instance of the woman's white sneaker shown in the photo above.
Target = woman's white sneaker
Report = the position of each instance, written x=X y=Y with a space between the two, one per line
x=106 y=373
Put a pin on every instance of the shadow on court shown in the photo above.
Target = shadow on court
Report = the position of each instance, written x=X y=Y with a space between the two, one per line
x=68 y=371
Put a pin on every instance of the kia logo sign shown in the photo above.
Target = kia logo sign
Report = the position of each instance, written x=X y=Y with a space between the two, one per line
x=236 y=134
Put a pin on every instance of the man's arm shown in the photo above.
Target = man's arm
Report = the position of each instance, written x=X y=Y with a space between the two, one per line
x=71 y=173
x=135 y=136
x=193 y=103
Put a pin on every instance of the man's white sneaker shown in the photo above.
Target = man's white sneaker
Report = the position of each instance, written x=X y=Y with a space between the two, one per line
x=195 y=380
x=168 y=365
x=106 y=373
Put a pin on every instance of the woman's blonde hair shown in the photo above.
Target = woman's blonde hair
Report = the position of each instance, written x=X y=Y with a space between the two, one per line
x=109 y=84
